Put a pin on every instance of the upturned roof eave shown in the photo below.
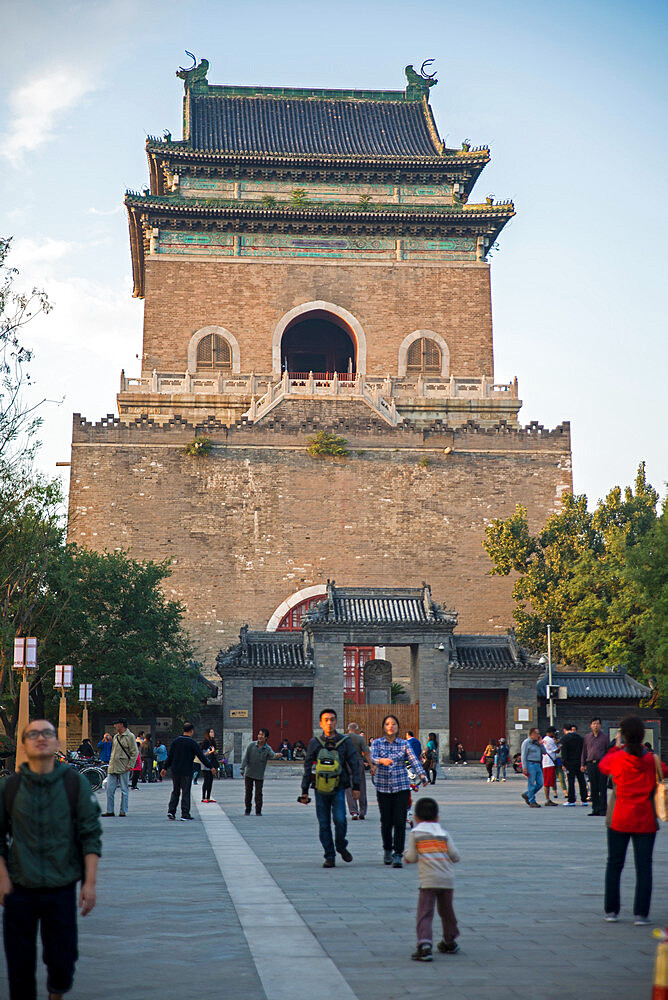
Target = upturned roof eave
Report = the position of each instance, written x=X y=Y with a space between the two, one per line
x=182 y=150
x=467 y=213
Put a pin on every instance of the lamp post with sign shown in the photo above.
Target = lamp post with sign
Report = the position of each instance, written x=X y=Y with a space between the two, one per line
x=86 y=696
x=25 y=661
x=63 y=681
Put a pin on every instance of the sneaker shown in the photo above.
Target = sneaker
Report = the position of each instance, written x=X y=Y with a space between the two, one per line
x=422 y=953
x=502 y=779
x=122 y=814
x=184 y=819
x=247 y=813
x=534 y=805
x=387 y=857
x=108 y=814
x=551 y=803
x=526 y=798
x=641 y=921
x=346 y=855
x=448 y=947
x=171 y=816
x=210 y=800
x=329 y=863
x=396 y=861
x=362 y=817
x=354 y=817
x=569 y=803
x=204 y=801
x=611 y=918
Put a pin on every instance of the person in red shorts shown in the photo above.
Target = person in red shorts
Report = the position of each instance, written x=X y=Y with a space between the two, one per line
x=549 y=762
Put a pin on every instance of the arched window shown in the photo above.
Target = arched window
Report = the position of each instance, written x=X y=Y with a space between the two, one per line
x=213 y=351
x=424 y=355
x=292 y=620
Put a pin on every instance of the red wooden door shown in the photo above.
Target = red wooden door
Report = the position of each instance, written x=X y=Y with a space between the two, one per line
x=476 y=717
x=287 y=712
x=354 y=658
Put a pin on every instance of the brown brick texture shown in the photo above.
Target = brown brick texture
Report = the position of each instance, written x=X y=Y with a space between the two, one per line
x=250 y=298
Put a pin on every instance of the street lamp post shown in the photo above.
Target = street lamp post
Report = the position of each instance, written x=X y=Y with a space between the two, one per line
x=25 y=661
x=549 y=672
x=63 y=680
x=86 y=696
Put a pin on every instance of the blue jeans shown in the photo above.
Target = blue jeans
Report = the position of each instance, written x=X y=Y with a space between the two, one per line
x=113 y=782
x=330 y=808
x=535 y=782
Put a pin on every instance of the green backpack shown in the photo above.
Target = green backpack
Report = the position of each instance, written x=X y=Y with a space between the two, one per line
x=328 y=768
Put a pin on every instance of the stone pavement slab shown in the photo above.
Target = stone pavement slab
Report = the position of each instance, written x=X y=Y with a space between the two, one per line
x=528 y=901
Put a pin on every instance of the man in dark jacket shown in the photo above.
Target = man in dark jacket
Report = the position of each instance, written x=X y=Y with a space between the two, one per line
x=571 y=755
x=332 y=807
x=56 y=840
x=180 y=759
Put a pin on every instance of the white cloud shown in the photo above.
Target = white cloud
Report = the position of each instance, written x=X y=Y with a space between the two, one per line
x=38 y=106
x=99 y=211
x=26 y=251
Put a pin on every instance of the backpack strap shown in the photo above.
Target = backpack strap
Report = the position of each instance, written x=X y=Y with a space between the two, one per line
x=70 y=781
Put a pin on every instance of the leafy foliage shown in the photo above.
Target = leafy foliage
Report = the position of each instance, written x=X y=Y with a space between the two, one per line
x=200 y=446
x=18 y=420
x=364 y=201
x=578 y=575
x=324 y=444
x=268 y=200
x=299 y=197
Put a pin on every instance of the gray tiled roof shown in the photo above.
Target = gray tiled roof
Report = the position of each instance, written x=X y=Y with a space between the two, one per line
x=265 y=649
x=588 y=684
x=379 y=606
x=499 y=653
x=263 y=124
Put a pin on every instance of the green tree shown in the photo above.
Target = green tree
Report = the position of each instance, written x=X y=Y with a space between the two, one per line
x=19 y=420
x=573 y=576
x=120 y=634
x=648 y=569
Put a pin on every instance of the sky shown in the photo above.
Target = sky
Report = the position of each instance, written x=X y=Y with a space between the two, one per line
x=570 y=97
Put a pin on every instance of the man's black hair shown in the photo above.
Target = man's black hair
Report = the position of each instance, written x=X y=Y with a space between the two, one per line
x=188 y=727
x=551 y=729
x=265 y=731
x=426 y=810
x=595 y=718
x=328 y=711
x=410 y=733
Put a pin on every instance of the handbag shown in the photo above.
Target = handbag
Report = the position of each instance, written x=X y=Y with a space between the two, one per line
x=660 y=793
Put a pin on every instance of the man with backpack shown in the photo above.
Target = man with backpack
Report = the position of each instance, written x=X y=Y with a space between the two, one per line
x=331 y=763
x=50 y=838
x=122 y=761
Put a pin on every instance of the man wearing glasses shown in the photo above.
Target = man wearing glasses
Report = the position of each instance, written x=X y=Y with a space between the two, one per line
x=52 y=817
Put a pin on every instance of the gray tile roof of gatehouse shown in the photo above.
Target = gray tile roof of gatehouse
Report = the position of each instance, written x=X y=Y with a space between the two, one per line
x=378 y=606
x=270 y=650
x=497 y=653
x=269 y=124
x=599 y=684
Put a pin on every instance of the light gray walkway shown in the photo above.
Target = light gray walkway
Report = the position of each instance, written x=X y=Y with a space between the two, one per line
x=528 y=900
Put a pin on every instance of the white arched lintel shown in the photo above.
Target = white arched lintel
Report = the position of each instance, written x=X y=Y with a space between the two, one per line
x=222 y=332
x=402 y=363
x=318 y=306
x=292 y=601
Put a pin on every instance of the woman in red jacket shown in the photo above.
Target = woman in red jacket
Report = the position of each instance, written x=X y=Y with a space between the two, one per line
x=633 y=770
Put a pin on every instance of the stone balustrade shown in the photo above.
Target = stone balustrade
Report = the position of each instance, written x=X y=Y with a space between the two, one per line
x=373 y=387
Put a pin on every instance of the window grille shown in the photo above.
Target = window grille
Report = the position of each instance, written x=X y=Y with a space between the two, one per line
x=424 y=355
x=213 y=351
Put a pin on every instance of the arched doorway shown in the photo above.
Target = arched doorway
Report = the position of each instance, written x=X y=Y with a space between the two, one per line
x=320 y=343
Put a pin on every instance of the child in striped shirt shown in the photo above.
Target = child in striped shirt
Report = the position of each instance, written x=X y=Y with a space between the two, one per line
x=434 y=850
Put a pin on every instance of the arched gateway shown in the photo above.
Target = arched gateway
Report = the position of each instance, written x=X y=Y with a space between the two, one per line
x=319 y=337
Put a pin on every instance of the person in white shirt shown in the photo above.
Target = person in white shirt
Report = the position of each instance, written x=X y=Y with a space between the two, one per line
x=550 y=754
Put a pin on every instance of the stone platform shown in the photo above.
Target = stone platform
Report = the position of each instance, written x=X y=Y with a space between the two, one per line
x=239 y=906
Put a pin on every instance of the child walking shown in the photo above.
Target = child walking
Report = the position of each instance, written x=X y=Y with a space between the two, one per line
x=434 y=850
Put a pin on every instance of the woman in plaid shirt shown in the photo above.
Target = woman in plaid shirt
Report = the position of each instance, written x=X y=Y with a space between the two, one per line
x=390 y=755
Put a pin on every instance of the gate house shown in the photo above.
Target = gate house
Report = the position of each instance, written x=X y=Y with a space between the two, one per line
x=469 y=687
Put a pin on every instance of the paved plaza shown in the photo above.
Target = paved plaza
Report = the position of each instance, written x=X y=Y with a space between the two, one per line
x=239 y=906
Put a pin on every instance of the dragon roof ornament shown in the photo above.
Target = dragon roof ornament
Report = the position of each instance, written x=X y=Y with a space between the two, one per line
x=194 y=78
x=419 y=83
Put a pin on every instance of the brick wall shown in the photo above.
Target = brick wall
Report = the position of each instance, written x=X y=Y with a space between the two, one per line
x=258 y=519
x=249 y=298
